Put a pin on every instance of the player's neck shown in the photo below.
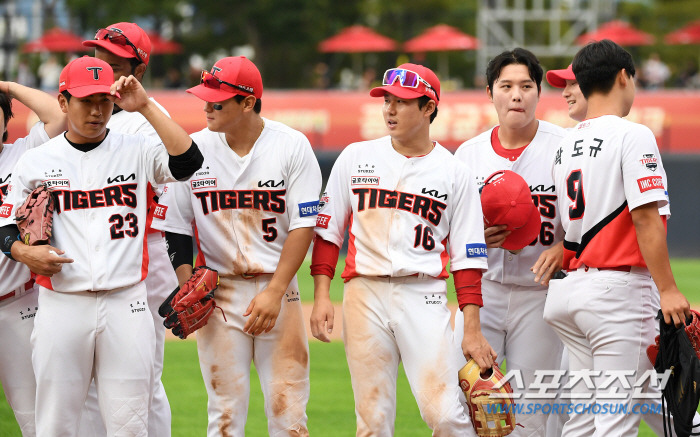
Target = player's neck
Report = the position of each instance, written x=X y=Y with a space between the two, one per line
x=76 y=138
x=610 y=104
x=515 y=138
x=242 y=137
x=418 y=145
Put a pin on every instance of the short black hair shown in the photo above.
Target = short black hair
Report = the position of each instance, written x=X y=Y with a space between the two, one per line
x=6 y=106
x=518 y=56
x=256 y=108
x=597 y=64
x=134 y=62
x=422 y=101
x=67 y=95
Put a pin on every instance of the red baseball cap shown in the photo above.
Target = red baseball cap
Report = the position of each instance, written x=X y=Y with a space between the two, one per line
x=558 y=78
x=86 y=76
x=231 y=76
x=134 y=35
x=506 y=200
x=396 y=82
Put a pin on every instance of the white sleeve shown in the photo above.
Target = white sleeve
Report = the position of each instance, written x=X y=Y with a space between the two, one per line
x=304 y=187
x=642 y=169
x=467 y=245
x=36 y=137
x=336 y=207
x=176 y=213
x=156 y=160
x=17 y=192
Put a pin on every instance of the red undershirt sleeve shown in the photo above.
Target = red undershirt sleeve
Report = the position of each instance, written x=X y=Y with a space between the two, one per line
x=324 y=257
x=468 y=286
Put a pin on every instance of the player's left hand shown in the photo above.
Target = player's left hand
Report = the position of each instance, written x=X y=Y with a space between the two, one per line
x=549 y=262
x=495 y=236
x=133 y=96
x=263 y=311
x=674 y=306
x=474 y=345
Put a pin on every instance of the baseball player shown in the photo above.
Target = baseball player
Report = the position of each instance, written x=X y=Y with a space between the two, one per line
x=609 y=176
x=127 y=49
x=513 y=302
x=410 y=207
x=18 y=300
x=253 y=206
x=578 y=106
x=94 y=303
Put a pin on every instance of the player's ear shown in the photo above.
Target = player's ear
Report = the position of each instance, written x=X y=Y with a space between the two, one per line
x=63 y=103
x=249 y=103
x=489 y=93
x=429 y=108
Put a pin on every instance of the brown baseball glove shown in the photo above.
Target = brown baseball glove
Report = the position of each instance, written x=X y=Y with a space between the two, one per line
x=35 y=217
x=189 y=307
x=490 y=408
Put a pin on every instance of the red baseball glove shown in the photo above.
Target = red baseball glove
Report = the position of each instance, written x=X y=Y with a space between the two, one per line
x=35 y=217
x=189 y=307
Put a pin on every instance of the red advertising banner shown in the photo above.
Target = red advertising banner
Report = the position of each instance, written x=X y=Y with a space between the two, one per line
x=333 y=119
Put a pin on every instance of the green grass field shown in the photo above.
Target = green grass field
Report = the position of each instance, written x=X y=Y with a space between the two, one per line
x=331 y=406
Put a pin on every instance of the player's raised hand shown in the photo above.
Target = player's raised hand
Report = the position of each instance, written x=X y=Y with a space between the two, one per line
x=495 y=236
x=674 y=306
x=549 y=262
x=474 y=345
x=263 y=311
x=132 y=98
x=43 y=260
x=322 y=317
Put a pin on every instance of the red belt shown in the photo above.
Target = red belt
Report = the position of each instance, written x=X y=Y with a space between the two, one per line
x=27 y=286
x=626 y=269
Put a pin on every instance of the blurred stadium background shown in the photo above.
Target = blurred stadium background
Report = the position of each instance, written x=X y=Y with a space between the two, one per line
x=318 y=58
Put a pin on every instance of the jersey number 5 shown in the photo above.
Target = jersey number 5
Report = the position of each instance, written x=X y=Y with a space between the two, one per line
x=269 y=230
x=574 y=189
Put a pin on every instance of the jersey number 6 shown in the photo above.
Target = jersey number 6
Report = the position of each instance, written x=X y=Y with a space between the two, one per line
x=574 y=189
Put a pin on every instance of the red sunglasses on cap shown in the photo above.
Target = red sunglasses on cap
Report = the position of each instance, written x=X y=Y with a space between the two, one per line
x=211 y=81
x=407 y=79
x=118 y=38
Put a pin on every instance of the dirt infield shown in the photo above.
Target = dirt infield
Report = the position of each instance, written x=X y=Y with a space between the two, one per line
x=338 y=323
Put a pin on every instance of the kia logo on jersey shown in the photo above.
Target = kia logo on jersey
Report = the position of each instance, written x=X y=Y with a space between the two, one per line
x=476 y=250
x=649 y=161
x=271 y=184
x=121 y=178
x=308 y=208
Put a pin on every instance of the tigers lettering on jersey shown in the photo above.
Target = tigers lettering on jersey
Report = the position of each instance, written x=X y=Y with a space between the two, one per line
x=115 y=195
x=427 y=208
x=264 y=200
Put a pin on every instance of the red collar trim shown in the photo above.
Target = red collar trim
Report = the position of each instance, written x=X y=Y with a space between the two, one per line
x=509 y=154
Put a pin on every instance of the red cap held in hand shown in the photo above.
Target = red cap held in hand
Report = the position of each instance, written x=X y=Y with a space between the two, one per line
x=506 y=200
x=86 y=76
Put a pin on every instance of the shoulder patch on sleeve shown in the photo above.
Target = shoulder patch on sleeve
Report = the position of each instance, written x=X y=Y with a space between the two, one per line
x=322 y=221
x=476 y=250
x=650 y=183
x=307 y=209
x=160 y=211
x=5 y=210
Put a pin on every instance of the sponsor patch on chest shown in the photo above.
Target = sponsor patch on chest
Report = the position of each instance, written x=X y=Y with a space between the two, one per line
x=203 y=183
x=307 y=209
x=364 y=180
x=650 y=183
x=57 y=183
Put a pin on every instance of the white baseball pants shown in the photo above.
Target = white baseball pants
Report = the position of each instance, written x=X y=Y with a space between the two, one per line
x=605 y=320
x=105 y=335
x=16 y=373
x=388 y=320
x=281 y=359
x=160 y=282
x=512 y=323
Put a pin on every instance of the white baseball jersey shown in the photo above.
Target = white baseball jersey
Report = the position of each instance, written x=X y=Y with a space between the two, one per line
x=244 y=208
x=15 y=274
x=604 y=168
x=101 y=208
x=535 y=166
x=402 y=211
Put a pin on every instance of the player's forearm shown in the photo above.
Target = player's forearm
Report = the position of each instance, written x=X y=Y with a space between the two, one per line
x=293 y=253
x=44 y=105
x=651 y=236
x=472 y=322
x=322 y=288
x=174 y=138
x=183 y=273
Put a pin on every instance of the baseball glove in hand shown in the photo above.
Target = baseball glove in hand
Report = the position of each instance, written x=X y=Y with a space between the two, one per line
x=490 y=404
x=35 y=217
x=189 y=307
x=678 y=349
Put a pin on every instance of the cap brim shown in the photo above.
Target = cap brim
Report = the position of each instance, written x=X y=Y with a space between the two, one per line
x=398 y=91
x=112 y=48
x=84 y=91
x=557 y=78
x=521 y=237
x=210 y=94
